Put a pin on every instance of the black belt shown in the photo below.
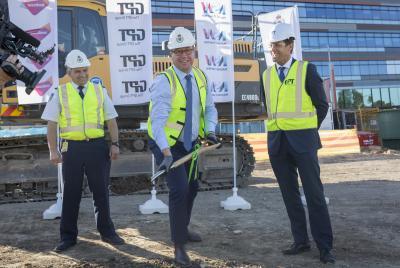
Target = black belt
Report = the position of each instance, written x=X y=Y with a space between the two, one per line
x=87 y=140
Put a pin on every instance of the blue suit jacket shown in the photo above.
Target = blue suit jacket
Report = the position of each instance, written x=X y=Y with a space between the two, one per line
x=306 y=140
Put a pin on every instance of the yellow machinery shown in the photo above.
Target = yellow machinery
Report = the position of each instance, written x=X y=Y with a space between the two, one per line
x=82 y=25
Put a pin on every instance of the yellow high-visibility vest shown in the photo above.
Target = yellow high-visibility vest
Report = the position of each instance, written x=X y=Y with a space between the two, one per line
x=176 y=118
x=289 y=107
x=81 y=119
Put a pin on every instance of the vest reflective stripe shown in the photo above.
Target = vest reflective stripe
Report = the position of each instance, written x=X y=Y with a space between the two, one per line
x=176 y=119
x=174 y=125
x=81 y=128
x=81 y=119
x=282 y=112
x=65 y=104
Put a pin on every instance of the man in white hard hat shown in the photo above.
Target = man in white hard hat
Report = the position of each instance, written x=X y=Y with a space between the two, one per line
x=296 y=106
x=181 y=111
x=80 y=108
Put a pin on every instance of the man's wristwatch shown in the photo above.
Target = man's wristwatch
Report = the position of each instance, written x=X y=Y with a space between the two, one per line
x=115 y=143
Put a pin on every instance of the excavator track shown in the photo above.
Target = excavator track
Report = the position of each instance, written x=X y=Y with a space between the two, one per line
x=26 y=174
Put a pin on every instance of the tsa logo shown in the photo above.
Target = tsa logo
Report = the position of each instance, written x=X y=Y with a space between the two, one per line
x=41 y=32
x=35 y=6
x=219 y=87
x=41 y=66
x=213 y=61
x=214 y=35
x=213 y=9
x=279 y=19
x=44 y=86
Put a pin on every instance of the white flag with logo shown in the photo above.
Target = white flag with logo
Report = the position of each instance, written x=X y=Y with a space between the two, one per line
x=130 y=43
x=267 y=21
x=215 y=46
x=38 y=18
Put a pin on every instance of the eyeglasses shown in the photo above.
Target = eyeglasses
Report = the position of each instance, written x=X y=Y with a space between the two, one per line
x=180 y=52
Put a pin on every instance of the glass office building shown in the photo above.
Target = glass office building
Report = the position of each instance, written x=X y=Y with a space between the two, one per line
x=362 y=38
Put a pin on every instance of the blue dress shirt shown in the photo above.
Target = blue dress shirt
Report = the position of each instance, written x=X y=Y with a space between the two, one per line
x=160 y=94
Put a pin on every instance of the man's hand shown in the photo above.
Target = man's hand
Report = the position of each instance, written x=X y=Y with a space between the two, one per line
x=166 y=163
x=55 y=157
x=212 y=139
x=114 y=152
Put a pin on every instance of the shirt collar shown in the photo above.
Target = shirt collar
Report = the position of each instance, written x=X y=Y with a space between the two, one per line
x=76 y=86
x=286 y=65
x=181 y=75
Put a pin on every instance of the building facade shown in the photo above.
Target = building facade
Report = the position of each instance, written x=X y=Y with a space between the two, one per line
x=361 y=38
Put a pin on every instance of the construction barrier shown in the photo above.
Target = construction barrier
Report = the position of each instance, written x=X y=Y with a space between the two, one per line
x=10 y=110
x=334 y=142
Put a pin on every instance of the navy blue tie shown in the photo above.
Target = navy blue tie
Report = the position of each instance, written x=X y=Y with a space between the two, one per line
x=187 y=130
x=81 y=91
x=282 y=73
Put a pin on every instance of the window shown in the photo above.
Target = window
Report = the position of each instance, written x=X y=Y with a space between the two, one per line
x=367 y=97
x=357 y=98
x=376 y=97
x=90 y=34
x=64 y=38
x=395 y=96
x=385 y=97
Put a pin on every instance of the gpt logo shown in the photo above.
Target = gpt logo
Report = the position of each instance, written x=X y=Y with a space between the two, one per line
x=210 y=34
x=211 y=8
x=96 y=80
x=216 y=61
x=36 y=6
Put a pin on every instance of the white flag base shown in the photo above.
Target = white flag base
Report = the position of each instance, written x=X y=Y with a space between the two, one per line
x=153 y=205
x=235 y=202
x=54 y=211
x=304 y=201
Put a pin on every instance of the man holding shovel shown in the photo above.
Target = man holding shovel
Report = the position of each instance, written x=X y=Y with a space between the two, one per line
x=181 y=111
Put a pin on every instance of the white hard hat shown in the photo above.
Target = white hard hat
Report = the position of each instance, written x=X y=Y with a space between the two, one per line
x=180 y=37
x=76 y=59
x=280 y=32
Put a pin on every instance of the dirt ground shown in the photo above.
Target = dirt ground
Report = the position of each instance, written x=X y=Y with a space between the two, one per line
x=364 y=193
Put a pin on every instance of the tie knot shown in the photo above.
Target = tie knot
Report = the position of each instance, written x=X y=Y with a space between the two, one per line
x=281 y=68
x=188 y=77
x=81 y=87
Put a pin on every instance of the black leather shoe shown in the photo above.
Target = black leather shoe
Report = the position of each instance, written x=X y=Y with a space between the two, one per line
x=326 y=256
x=194 y=237
x=64 y=245
x=297 y=248
x=181 y=256
x=113 y=240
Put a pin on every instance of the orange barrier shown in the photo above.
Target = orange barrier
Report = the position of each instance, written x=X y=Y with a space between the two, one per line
x=334 y=142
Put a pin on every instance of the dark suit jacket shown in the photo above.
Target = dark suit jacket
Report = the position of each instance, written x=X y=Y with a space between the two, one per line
x=306 y=140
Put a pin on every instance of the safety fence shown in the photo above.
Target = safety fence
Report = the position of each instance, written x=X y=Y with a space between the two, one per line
x=334 y=142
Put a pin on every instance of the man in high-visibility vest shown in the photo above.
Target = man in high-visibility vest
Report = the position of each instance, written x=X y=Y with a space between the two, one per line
x=181 y=111
x=80 y=109
x=296 y=105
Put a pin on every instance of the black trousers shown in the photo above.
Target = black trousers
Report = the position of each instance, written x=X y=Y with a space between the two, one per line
x=90 y=158
x=285 y=165
x=182 y=192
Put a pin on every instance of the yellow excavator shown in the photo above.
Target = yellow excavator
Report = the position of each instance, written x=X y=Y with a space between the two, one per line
x=26 y=172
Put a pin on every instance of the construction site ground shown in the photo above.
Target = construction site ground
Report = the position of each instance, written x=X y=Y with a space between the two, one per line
x=364 y=194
